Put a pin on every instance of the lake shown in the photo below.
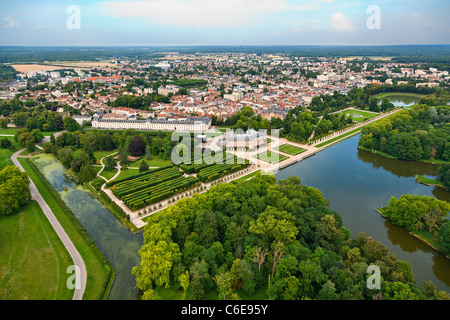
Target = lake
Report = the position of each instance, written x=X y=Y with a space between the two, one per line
x=356 y=182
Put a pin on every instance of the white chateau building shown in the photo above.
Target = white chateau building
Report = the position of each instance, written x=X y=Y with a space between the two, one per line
x=250 y=140
x=192 y=124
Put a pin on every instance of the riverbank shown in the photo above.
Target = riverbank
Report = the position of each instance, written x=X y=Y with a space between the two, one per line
x=388 y=156
x=433 y=246
x=429 y=182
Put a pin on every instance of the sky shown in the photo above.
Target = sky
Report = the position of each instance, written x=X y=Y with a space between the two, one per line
x=223 y=22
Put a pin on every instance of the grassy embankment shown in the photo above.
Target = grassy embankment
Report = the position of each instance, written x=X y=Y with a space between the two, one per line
x=33 y=260
x=429 y=182
x=99 y=272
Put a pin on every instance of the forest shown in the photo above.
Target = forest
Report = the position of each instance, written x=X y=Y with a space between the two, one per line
x=421 y=133
x=264 y=239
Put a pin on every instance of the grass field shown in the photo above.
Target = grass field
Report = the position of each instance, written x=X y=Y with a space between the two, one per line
x=361 y=115
x=290 y=149
x=127 y=173
x=338 y=138
x=33 y=260
x=155 y=161
x=12 y=131
x=108 y=174
x=101 y=154
x=99 y=273
x=271 y=157
x=5 y=154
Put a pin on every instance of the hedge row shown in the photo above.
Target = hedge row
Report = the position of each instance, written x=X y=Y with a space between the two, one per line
x=117 y=181
x=146 y=181
x=159 y=192
x=219 y=170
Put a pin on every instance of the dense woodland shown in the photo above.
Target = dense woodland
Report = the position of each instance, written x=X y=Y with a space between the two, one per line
x=266 y=239
x=420 y=133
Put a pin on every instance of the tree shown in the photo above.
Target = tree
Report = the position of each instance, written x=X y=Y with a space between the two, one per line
x=136 y=146
x=444 y=175
x=14 y=189
x=223 y=282
x=184 y=282
x=4 y=123
x=444 y=238
x=5 y=143
x=70 y=124
x=27 y=141
x=143 y=166
x=86 y=174
x=148 y=153
x=37 y=135
x=110 y=163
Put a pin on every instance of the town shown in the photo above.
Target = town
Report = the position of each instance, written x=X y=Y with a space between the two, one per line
x=181 y=86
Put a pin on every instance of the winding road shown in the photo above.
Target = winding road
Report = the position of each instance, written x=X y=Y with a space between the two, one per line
x=81 y=272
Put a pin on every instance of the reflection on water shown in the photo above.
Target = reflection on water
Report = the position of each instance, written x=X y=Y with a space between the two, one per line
x=400 y=100
x=119 y=246
x=400 y=168
x=356 y=182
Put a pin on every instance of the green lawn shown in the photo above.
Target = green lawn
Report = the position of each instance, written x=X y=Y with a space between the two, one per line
x=425 y=180
x=109 y=174
x=33 y=260
x=290 y=149
x=5 y=154
x=101 y=154
x=127 y=173
x=339 y=137
x=247 y=176
x=12 y=130
x=155 y=161
x=364 y=115
x=99 y=272
x=271 y=157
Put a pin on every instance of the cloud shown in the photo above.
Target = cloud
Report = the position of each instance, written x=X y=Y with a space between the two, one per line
x=199 y=13
x=341 y=23
x=11 y=22
x=40 y=26
x=424 y=22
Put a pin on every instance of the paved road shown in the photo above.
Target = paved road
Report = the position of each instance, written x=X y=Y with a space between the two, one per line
x=76 y=257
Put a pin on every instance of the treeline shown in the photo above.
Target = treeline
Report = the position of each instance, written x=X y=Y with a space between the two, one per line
x=138 y=102
x=417 y=213
x=75 y=150
x=419 y=133
x=264 y=238
x=7 y=73
x=190 y=82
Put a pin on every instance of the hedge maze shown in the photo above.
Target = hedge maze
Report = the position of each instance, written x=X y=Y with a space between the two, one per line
x=152 y=186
